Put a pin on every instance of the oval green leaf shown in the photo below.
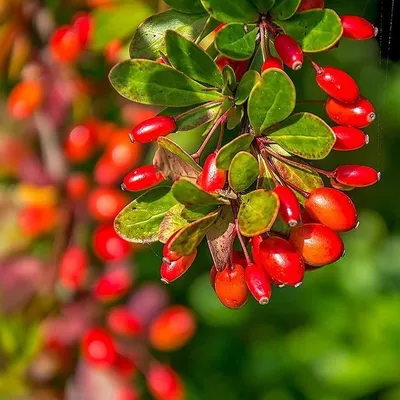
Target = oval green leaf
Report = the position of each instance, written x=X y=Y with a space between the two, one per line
x=228 y=152
x=305 y=135
x=148 y=82
x=246 y=85
x=272 y=100
x=257 y=212
x=231 y=11
x=235 y=116
x=192 y=60
x=149 y=38
x=236 y=41
x=243 y=171
x=314 y=30
x=186 y=6
x=189 y=194
x=189 y=237
x=140 y=220
x=265 y=180
x=172 y=222
x=284 y=9
x=263 y=6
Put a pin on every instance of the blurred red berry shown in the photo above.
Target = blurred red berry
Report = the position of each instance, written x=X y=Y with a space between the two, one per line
x=77 y=186
x=74 y=268
x=80 y=144
x=112 y=285
x=25 y=99
x=122 y=322
x=65 y=45
x=105 y=203
x=164 y=383
x=83 y=26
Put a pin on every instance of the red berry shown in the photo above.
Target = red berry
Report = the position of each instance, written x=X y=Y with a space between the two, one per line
x=81 y=143
x=289 y=51
x=255 y=248
x=230 y=286
x=127 y=393
x=112 y=52
x=125 y=368
x=83 y=26
x=35 y=220
x=282 y=261
x=349 y=138
x=65 y=45
x=168 y=253
x=289 y=209
x=332 y=208
x=164 y=383
x=106 y=172
x=211 y=178
x=122 y=322
x=77 y=186
x=357 y=175
x=112 y=285
x=318 y=244
x=357 y=28
x=73 y=268
x=172 y=329
x=338 y=84
x=258 y=283
x=142 y=178
x=98 y=348
x=310 y=4
x=175 y=269
x=153 y=128
x=104 y=204
x=108 y=246
x=272 y=62
x=359 y=114
x=239 y=67
x=25 y=99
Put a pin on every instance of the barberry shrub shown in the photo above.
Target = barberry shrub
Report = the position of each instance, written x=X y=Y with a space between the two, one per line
x=217 y=67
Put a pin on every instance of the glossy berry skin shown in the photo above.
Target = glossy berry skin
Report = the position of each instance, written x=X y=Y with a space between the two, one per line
x=357 y=28
x=122 y=322
x=349 y=138
x=98 y=348
x=73 y=268
x=142 y=178
x=358 y=115
x=108 y=246
x=332 y=208
x=25 y=99
x=258 y=283
x=289 y=209
x=211 y=178
x=172 y=329
x=164 y=384
x=282 y=261
x=80 y=144
x=318 y=244
x=357 y=175
x=255 y=248
x=112 y=285
x=104 y=204
x=310 y=5
x=153 y=128
x=65 y=45
x=168 y=254
x=231 y=288
x=272 y=62
x=289 y=51
x=338 y=84
x=170 y=272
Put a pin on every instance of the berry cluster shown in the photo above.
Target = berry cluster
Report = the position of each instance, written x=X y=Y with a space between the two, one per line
x=290 y=220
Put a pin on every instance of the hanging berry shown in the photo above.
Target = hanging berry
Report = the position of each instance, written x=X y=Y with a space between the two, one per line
x=289 y=208
x=357 y=28
x=357 y=175
x=153 y=128
x=349 y=138
x=211 y=178
x=289 y=51
x=142 y=178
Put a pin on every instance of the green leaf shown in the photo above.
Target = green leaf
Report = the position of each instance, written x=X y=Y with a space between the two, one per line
x=263 y=6
x=194 y=213
x=149 y=82
x=116 y=23
x=272 y=100
x=243 y=171
x=246 y=85
x=237 y=41
x=172 y=222
x=304 y=179
x=305 y=135
x=265 y=180
x=192 y=60
x=315 y=30
x=230 y=82
x=231 y=11
x=140 y=220
x=191 y=195
x=220 y=238
x=188 y=238
x=198 y=117
x=228 y=152
x=235 y=115
x=257 y=212
x=149 y=38
x=284 y=9
x=186 y=6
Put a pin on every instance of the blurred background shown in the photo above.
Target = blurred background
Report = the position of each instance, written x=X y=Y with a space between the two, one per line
x=82 y=315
